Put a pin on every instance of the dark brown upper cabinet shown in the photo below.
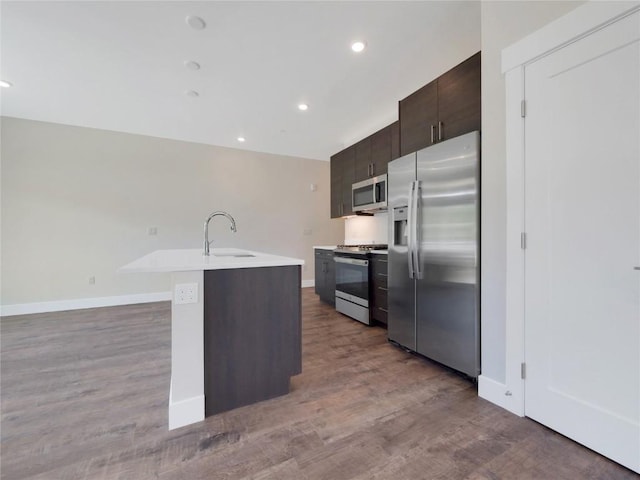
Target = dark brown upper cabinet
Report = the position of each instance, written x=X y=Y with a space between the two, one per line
x=445 y=108
x=374 y=153
x=382 y=149
x=459 y=99
x=336 y=186
x=418 y=118
x=363 y=159
x=395 y=140
x=342 y=177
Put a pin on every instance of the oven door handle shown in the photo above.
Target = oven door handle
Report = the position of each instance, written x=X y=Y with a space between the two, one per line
x=351 y=261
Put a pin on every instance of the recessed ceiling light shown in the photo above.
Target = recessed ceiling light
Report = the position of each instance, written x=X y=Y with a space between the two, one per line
x=191 y=93
x=196 y=23
x=5 y=84
x=357 y=46
x=191 y=65
x=303 y=106
x=241 y=139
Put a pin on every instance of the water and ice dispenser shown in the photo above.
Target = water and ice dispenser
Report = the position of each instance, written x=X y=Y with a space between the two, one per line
x=400 y=226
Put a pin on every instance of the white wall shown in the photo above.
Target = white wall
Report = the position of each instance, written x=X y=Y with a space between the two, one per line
x=363 y=230
x=503 y=23
x=78 y=202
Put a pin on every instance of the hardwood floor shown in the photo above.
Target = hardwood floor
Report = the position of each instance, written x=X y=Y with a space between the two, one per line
x=84 y=396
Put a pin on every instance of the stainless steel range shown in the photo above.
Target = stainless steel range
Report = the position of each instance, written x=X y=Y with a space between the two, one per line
x=352 y=280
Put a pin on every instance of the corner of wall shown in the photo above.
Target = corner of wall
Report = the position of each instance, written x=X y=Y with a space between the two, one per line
x=498 y=394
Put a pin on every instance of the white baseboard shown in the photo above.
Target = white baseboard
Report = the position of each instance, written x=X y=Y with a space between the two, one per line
x=80 y=303
x=186 y=412
x=496 y=393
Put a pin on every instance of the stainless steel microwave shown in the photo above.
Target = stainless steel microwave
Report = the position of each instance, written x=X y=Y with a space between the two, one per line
x=370 y=194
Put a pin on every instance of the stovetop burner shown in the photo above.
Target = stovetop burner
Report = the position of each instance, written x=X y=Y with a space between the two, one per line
x=360 y=248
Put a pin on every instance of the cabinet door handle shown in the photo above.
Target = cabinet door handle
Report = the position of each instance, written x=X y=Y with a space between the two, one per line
x=383 y=274
x=433 y=133
x=382 y=288
x=384 y=310
x=369 y=170
x=373 y=169
x=440 y=126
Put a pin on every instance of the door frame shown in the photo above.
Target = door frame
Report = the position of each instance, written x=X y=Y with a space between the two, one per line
x=577 y=24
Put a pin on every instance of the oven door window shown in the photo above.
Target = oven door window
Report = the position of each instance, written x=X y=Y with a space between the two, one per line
x=352 y=278
x=363 y=196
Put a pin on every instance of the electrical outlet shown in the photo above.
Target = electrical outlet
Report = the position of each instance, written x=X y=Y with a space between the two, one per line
x=92 y=280
x=307 y=231
x=185 y=293
x=152 y=230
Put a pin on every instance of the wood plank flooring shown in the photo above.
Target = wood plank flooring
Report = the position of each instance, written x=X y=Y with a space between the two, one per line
x=84 y=395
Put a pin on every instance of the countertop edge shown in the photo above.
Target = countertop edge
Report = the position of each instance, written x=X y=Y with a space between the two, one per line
x=165 y=261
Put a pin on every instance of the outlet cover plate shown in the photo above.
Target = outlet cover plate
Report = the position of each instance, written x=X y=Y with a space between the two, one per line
x=185 y=293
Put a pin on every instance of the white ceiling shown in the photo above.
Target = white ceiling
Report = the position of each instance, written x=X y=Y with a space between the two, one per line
x=120 y=66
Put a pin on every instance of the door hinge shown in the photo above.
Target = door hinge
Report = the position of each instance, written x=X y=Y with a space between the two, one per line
x=523 y=240
x=523 y=108
x=523 y=371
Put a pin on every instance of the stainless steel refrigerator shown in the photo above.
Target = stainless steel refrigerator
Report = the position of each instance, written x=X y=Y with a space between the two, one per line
x=433 y=202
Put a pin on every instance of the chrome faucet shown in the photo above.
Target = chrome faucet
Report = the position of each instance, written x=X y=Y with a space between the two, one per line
x=206 y=229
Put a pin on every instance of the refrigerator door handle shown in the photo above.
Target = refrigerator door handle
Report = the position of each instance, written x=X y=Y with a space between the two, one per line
x=410 y=232
x=416 y=229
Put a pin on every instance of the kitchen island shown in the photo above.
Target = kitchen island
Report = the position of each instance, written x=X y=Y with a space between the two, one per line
x=235 y=328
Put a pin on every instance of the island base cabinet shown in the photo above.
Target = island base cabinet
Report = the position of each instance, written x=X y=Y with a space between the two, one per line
x=252 y=335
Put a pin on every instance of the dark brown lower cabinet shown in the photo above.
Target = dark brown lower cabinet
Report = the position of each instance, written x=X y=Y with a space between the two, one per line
x=252 y=335
x=325 y=276
x=378 y=307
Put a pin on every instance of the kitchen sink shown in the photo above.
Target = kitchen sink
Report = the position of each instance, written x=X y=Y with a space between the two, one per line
x=233 y=255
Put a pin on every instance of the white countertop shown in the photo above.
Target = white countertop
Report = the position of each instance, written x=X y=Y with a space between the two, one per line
x=326 y=247
x=181 y=260
x=380 y=252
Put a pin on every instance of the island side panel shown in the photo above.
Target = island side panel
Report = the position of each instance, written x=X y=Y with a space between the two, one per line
x=186 y=397
x=252 y=335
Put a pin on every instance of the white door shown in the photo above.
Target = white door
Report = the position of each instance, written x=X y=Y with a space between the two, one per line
x=582 y=219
